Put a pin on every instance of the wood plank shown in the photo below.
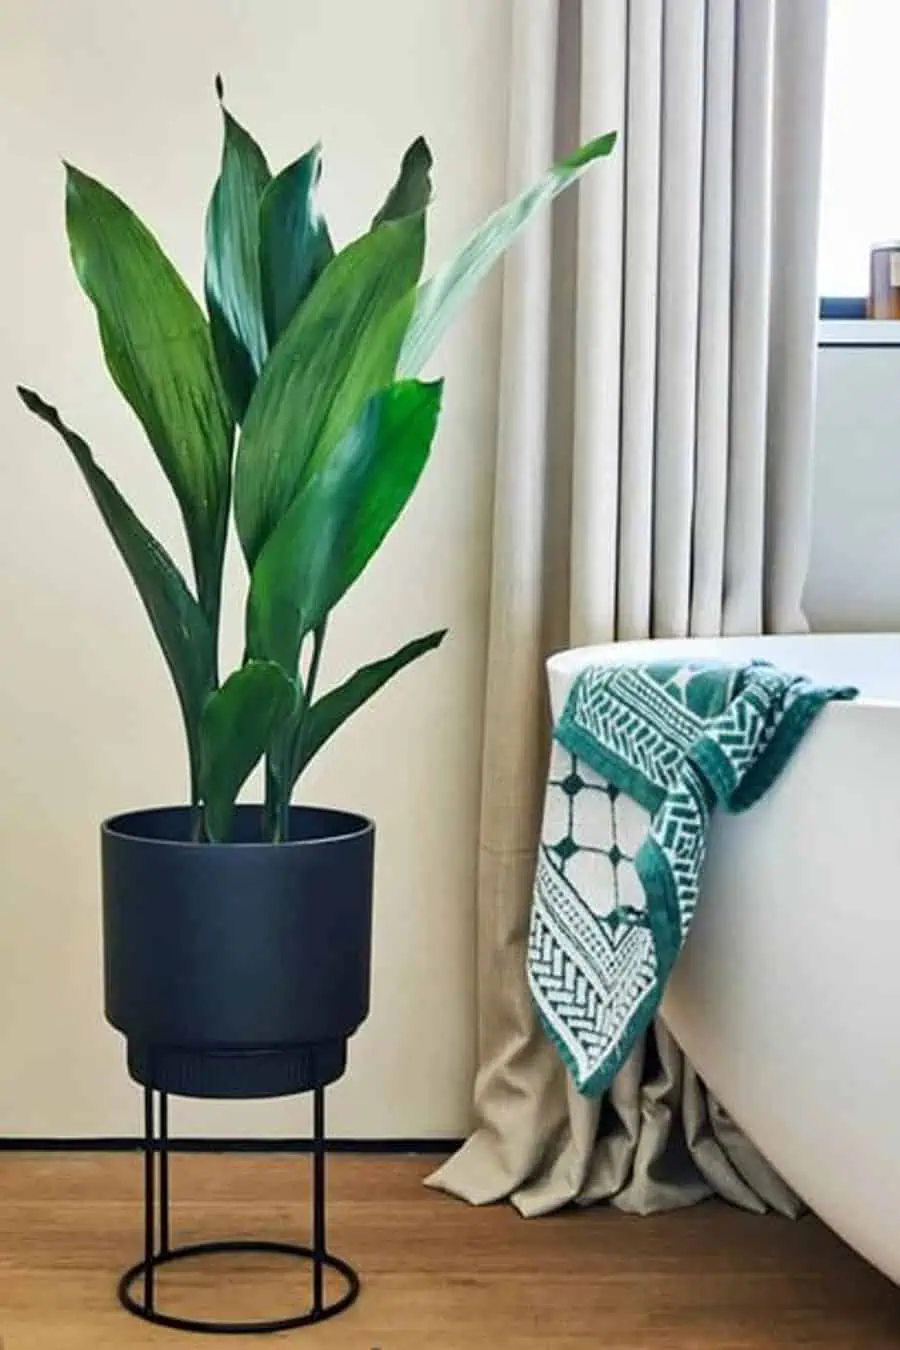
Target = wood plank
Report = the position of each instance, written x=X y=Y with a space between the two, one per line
x=437 y=1274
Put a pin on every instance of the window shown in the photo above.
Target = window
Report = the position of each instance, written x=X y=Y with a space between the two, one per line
x=861 y=164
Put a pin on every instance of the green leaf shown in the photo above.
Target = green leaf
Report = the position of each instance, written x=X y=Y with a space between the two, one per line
x=412 y=191
x=324 y=717
x=159 y=352
x=340 y=347
x=338 y=520
x=295 y=246
x=300 y=570
x=179 y=623
x=238 y=724
x=440 y=298
x=232 y=279
x=408 y=421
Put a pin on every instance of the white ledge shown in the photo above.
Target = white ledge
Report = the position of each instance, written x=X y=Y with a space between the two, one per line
x=859 y=332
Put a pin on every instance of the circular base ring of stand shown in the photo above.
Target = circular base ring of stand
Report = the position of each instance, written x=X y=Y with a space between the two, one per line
x=159 y=1252
x=308 y=1318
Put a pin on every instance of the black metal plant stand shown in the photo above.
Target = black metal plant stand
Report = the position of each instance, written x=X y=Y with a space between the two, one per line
x=156 y=1221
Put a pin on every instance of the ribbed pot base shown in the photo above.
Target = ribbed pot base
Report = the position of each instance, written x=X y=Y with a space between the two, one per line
x=237 y=1074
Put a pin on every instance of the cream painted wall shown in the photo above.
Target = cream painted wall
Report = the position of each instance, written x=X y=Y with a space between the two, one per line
x=88 y=724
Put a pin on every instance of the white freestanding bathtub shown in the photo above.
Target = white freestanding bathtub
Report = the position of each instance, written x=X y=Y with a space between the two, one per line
x=786 y=994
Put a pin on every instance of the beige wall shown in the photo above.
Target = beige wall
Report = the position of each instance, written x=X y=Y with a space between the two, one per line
x=87 y=721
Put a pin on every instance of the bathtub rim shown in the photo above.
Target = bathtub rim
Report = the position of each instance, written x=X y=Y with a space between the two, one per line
x=562 y=665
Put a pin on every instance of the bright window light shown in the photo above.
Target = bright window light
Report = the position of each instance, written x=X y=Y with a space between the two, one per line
x=861 y=167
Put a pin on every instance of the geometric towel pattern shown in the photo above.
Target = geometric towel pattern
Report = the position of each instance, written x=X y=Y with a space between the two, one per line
x=641 y=756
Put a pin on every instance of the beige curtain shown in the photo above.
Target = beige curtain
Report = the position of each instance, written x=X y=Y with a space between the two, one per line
x=653 y=478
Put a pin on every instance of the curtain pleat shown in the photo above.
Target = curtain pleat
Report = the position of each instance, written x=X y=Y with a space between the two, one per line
x=598 y=333
x=714 y=340
x=639 y=310
x=679 y=281
x=744 y=525
x=797 y=168
x=519 y=505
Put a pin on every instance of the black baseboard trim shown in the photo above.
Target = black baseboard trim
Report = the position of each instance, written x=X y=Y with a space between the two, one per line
x=123 y=1144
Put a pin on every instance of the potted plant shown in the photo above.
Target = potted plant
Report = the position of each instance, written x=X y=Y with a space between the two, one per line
x=237 y=937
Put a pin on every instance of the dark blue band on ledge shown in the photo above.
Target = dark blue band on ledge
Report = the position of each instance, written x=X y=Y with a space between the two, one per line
x=842 y=307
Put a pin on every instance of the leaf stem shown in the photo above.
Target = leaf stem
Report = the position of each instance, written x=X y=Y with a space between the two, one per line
x=279 y=788
x=283 y=823
x=196 y=800
x=318 y=644
x=309 y=688
x=270 y=808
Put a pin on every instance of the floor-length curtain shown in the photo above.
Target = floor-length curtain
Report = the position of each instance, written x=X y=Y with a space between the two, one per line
x=653 y=479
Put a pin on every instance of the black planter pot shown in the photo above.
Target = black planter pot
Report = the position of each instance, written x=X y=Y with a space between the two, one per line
x=240 y=969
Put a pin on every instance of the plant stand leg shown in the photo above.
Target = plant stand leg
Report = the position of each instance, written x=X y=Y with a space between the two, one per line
x=154 y=1147
x=319 y=1239
x=163 y=1174
x=149 y=1201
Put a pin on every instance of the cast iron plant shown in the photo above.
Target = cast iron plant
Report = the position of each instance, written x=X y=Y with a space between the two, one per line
x=293 y=400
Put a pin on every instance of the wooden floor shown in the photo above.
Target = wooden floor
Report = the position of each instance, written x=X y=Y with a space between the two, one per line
x=437 y=1274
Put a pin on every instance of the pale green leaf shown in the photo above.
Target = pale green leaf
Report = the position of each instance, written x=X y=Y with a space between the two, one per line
x=439 y=299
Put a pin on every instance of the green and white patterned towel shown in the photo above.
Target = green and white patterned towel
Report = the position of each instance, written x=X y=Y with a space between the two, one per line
x=641 y=756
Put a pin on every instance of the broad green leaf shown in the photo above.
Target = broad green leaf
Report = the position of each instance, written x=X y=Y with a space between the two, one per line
x=440 y=298
x=340 y=347
x=294 y=244
x=408 y=421
x=238 y=724
x=339 y=519
x=300 y=570
x=412 y=191
x=324 y=717
x=159 y=352
x=181 y=627
x=232 y=279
